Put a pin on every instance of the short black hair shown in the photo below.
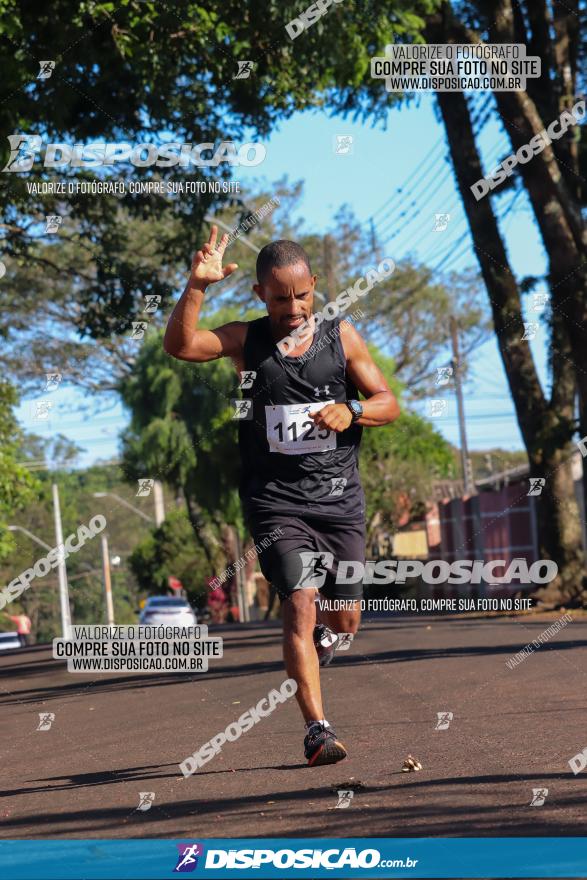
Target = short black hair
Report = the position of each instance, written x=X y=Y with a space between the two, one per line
x=278 y=254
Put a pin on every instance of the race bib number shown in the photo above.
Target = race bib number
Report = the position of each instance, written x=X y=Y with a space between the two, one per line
x=291 y=431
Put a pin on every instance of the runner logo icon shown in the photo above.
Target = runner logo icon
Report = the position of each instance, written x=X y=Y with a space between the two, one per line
x=338 y=484
x=314 y=569
x=344 y=799
x=444 y=719
x=539 y=795
x=188 y=857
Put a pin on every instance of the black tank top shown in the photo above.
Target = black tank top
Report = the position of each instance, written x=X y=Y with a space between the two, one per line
x=289 y=466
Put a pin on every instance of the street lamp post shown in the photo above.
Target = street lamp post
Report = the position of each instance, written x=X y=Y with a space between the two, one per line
x=29 y=535
x=159 y=518
x=126 y=503
x=159 y=503
x=61 y=569
x=243 y=608
x=107 y=581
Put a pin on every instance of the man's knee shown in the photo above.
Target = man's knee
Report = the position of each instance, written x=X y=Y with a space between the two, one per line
x=300 y=610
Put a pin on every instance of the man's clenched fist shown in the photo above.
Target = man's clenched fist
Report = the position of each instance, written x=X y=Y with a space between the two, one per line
x=334 y=416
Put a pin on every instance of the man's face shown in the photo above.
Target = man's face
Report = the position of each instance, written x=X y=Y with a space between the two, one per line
x=288 y=294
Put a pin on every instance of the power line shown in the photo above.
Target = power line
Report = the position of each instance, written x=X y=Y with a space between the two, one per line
x=401 y=190
x=401 y=231
x=409 y=199
x=416 y=214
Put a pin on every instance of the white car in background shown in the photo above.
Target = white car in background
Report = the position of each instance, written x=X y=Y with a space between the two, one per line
x=9 y=641
x=168 y=610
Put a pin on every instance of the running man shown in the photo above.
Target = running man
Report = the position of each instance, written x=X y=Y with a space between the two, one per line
x=299 y=445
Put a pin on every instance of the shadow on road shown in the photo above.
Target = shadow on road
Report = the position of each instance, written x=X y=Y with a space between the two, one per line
x=312 y=809
x=128 y=682
x=130 y=774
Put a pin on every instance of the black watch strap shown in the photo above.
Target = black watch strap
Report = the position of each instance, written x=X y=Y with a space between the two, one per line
x=355 y=408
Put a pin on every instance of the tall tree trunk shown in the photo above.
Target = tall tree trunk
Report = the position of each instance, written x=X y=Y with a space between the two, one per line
x=547 y=430
x=204 y=534
x=552 y=177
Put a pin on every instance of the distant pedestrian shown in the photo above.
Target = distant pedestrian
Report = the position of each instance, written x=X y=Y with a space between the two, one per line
x=23 y=627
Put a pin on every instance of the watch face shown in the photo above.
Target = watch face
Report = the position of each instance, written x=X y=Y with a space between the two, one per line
x=356 y=408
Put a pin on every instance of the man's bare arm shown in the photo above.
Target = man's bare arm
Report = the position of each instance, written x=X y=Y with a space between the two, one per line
x=380 y=406
x=183 y=339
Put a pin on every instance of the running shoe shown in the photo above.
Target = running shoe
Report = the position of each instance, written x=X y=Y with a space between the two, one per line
x=321 y=746
x=325 y=641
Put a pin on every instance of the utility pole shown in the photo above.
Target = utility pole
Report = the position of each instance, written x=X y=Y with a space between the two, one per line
x=243 y=607
x=159 y=503
x=489 y=463
x=107 y=581
x=329 y=266
x=374 y=243
x=61 y=570
x=456 y=366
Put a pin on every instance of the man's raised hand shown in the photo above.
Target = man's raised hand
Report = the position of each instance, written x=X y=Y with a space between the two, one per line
x=207 y=263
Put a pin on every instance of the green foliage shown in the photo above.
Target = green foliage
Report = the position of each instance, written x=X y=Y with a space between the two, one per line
x=168 y=67
x=17 y=485
x=181 y=429
x=130 y=69
x=406 y=316
x=400 y=462
x=411 y=302
x=492 y=462
x=171 y=551
x=182 y=432
x=84 y=568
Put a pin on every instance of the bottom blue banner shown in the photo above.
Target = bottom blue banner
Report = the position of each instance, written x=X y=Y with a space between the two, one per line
x=366 y=857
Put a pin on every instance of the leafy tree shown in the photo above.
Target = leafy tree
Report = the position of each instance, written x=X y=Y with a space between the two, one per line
x=17 y=485
x=417 y=307
x=399 y=464
x=171 y=551
x=182 y=431
x=490 y=462
x=84 y=568
x=552 y=184
x=149 y=68
x=83 y=328
x=54 y=337
x=59 y=450
x=128 y=70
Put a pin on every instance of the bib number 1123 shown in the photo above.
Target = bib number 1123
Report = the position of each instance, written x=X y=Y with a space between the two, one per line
x=291 y=431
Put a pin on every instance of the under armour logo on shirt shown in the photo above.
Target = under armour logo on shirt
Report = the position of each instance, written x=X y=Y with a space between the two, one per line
x=318 y=392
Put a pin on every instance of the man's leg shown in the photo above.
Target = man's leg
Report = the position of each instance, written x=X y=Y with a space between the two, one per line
x=346 y=620
x=339 y=605
x=321 y=745
x=299 y=651
x=282 y=563
x=271 y=601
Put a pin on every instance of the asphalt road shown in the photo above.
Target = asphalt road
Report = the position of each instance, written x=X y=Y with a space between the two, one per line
x=115 y=736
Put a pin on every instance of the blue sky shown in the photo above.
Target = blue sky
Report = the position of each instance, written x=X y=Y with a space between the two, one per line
x=409 y=155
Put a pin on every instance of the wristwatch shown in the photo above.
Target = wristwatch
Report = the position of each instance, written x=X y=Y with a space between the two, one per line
x=355 y=408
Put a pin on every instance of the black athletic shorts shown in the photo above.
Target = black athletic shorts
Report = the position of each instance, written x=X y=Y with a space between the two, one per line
x=307 y=554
